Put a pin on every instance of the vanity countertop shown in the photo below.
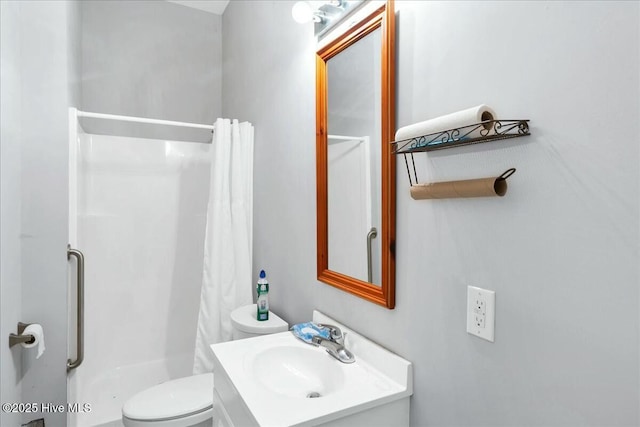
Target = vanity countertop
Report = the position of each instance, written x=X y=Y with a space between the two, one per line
x=272 y=374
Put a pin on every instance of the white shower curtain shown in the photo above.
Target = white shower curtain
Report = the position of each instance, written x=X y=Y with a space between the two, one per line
x=226 y=278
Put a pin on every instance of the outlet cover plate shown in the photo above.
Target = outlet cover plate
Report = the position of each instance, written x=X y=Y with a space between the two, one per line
x=481 y=312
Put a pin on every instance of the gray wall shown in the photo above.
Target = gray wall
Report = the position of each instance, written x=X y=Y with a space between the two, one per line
x=39 y=51
x=150 y=59
x=10 y=201
x=560 y=249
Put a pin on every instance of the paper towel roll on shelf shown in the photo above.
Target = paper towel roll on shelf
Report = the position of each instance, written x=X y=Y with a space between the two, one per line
x=459 y=119
x=35 y=330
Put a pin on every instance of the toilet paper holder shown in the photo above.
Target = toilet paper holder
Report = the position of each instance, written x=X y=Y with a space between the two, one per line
x=18 y=338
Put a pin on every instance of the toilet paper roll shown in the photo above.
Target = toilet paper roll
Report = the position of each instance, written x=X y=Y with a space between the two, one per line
x=35 y=329
x=455 y=120
x=483 y=187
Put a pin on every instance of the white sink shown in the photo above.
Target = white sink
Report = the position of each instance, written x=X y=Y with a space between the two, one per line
x=295 y=372
x=278 y=380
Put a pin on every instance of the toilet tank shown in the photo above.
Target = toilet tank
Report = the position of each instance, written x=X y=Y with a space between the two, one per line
x=245 y=324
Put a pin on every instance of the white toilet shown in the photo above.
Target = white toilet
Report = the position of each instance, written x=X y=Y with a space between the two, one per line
x=188 y=402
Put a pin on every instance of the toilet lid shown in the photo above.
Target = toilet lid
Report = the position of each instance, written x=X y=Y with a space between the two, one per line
x=172 y=399
x=244 y=319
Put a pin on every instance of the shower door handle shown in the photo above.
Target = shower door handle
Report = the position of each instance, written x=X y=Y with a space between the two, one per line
x=72 y=364
x=372 y=233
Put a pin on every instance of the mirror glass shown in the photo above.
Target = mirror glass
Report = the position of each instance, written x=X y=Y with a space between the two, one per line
x=355 y=167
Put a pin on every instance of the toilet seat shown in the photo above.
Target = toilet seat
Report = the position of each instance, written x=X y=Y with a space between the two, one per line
x=175 y=403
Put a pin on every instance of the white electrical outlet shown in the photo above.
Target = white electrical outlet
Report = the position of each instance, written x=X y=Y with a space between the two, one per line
x=481 y=312
x=479 y=320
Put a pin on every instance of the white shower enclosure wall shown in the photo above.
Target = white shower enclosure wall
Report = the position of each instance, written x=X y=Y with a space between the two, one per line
x=138 y=213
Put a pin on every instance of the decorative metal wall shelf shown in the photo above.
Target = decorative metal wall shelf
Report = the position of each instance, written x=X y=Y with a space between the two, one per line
x=486 y=131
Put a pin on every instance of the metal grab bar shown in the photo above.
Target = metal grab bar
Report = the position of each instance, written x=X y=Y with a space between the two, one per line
x=72 y=364
x=370 y=236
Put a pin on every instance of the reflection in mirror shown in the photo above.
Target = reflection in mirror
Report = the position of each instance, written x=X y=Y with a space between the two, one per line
x=355 y=167
x=353 y=120
x=331 y=13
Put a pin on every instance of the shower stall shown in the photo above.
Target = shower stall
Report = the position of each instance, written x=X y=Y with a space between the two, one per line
x=137 y=211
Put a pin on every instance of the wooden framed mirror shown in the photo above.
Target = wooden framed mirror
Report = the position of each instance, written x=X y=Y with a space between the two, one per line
x=355 y=121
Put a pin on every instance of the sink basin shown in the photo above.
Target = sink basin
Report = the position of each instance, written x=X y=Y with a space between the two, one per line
x=278 y=380
x=296 y=372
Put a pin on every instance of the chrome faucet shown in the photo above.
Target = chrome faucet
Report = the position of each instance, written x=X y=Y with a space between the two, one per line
x=335 y=344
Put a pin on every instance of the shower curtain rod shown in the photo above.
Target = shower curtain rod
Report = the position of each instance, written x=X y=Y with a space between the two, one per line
x=143 y=120
x=345 y=138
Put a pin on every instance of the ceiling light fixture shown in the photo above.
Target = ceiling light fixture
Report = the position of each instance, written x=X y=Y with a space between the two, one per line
x=307 y=11
x=302 y=12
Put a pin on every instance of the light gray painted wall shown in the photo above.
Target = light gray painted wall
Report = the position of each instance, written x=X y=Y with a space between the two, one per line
x=10 y=201
x=42 y=84
x=150 y=59
x=560 y=249
x=269 y=74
